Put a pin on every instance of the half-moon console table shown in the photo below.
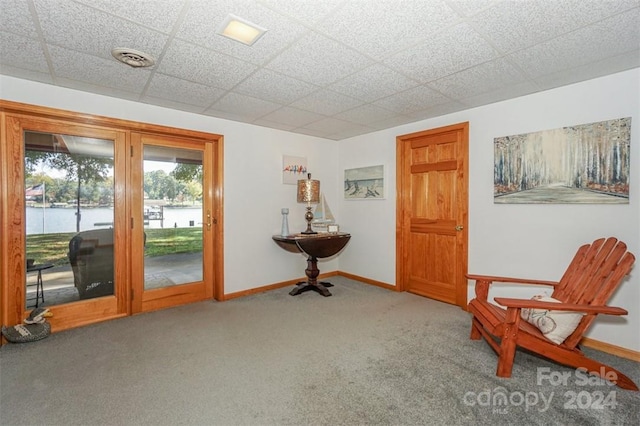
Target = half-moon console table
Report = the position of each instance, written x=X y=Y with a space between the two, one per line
x=315 y=246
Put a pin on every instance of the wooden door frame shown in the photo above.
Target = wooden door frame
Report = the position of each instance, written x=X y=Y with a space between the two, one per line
x=462 y=208
x=12 y=256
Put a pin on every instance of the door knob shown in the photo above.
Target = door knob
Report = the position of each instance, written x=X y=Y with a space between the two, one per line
x=459 y=228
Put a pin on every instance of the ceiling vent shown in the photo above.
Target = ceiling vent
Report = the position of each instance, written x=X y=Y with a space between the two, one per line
x=133 y=57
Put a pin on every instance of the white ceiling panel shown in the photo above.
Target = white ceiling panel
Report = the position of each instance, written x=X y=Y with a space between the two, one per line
x=159 y=15
x=243 y=106
x=22 y=52
x=88 y=30
x=187 y=92
x=612 y=37
x=448 y=52
x=480 y=79
x=372 y=83
x=17 y=18
x=330 y=68
x=97 y=71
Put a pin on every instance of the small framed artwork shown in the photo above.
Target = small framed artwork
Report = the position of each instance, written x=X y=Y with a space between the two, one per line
x=293 y=169
x=364 y=183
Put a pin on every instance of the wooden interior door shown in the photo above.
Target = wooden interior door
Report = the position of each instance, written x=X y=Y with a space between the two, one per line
x=432 y=205
x=172 y=233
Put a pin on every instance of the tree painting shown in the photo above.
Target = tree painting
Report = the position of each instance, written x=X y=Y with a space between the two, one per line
x=587 y=163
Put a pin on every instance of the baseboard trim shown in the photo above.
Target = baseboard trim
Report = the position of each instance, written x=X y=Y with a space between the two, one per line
x=368 y=281
x=611 y=349
x=275 y=286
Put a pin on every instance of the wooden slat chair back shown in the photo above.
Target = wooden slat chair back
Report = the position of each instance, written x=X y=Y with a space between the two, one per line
x=588 y=283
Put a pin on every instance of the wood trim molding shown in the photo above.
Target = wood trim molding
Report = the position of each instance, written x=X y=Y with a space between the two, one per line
x=368 y=281
x=611 y=349
x=36 y=111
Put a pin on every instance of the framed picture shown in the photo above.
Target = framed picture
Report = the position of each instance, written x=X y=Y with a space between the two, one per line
x=293 y=169
x=586 y=163
x=364 y=183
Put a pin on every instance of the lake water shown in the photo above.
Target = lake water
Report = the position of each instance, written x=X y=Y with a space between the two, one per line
x=64 y=219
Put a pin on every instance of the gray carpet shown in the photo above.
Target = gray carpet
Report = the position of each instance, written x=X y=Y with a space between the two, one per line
x=364 y=356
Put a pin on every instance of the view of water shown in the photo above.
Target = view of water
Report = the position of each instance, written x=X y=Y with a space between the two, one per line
x=64 y=219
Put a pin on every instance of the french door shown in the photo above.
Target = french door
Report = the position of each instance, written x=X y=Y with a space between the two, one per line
x=172 y=221
x=102 y=218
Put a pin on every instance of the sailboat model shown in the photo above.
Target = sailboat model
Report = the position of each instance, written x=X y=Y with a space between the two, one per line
x=322 y=216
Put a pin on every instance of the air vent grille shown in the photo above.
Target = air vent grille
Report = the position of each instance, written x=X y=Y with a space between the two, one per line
x=133 y=57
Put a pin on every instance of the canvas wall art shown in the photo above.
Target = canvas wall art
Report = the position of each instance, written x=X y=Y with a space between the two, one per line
x=364 y=183
x=293 y=169
x=587 y=163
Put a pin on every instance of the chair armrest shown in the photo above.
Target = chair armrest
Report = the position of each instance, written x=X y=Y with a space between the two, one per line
x=554 y=306
x=484 y=281
x=490 y=279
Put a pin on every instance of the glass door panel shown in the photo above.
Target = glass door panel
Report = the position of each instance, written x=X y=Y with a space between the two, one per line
x=172 y=216
x=69 y=212
x=172 y=221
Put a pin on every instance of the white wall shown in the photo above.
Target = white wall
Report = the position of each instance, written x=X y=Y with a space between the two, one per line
x=253 y=192
x=531 y=241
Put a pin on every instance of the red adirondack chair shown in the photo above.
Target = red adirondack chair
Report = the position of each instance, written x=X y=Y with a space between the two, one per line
x=593 y=275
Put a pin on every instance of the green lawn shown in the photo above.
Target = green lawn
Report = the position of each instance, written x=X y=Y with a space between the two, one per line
x=53 y=248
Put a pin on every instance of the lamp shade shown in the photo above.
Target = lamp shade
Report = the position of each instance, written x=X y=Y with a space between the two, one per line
x=308 y=190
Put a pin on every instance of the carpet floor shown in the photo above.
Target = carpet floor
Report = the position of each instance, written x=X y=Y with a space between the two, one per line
x=365 y=356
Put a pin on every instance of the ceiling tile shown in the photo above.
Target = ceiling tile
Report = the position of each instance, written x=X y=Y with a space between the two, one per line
x=21 y=52
x=42 y=77
x=186 y=92
x=412 y=100
x=248 y=107
x=365 y=114
x=318 y=60
x=16 y=18
x=374 y=82
x=168 y=103
x=98 y=89
x=501 y=94
x=269 y=85
x=437 y=110
x=589 y=11
x=378 y=28
x=326 y=102
x=514 y=25
x=78 y=27
x=329 y=125
x=160 y=15
x=479 y=79
x=453 y=50
x=190 y=62
x=98 y=71
x=607 y=38
x=292 y=117
x=470 y=7
x=308 y=12
x=591 y=70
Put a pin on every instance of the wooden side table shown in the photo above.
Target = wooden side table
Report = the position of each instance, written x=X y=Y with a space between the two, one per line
x=315 y=246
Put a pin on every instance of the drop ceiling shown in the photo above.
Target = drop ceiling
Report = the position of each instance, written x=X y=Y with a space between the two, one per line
x=328 y=68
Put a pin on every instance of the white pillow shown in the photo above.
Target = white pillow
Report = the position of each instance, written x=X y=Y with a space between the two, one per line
x=554 y=325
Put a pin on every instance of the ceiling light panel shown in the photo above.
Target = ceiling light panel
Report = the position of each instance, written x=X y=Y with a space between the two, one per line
x=241 y=30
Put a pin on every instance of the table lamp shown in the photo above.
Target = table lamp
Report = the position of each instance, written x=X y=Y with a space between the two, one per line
x=308 y=192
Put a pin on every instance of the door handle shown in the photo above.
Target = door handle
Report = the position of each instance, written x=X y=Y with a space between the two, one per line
x=459 y=228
